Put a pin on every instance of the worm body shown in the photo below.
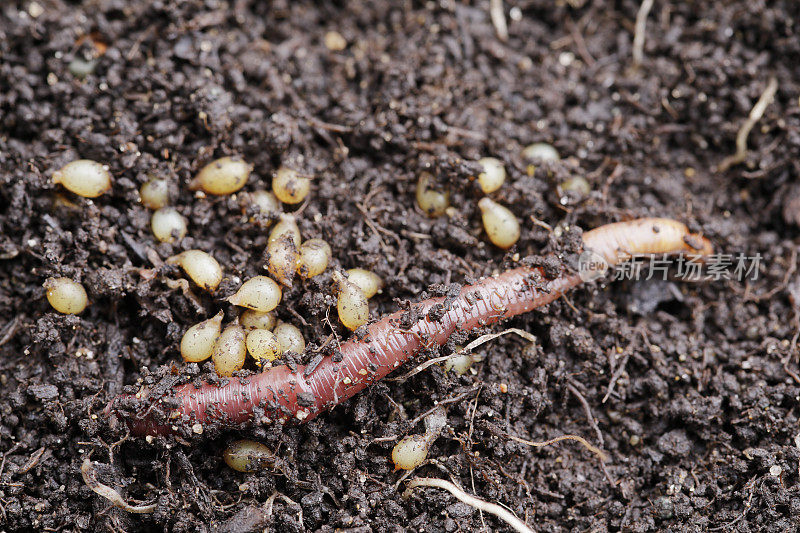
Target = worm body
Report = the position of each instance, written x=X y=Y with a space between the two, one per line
x=299 y=394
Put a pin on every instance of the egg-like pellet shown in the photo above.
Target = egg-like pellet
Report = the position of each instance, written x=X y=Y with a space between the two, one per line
x=434 y=203
x=410 y=452
x=155 y=193
x=538 y=152
x=259 y=293
x=289 y=186
x=66 y=296
x=286 y=225
x=84 y=177
x=501 y=225
x=199 y=340
x=290 y=338
x=577 y=185
x=369 y=282
x=251 y=319
x=351 y=303
x=200 y=266
x=230 y=351
x=493 y=175
x=248 y=456
x=315 y=254
x=265 y=203
x=168 y=225
x=263 y=346
x=281 y=256
x=225 y=175
x=460 y=364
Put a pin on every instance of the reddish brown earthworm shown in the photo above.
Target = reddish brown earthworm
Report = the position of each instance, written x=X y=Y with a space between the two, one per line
x=290 y=394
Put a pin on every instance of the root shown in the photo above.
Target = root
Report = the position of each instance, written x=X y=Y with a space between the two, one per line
x=474 y=344
x=498 y=19
x=500 y=512
x=755 y=115
x=589 y=446
x=90 y=478
x=641 y=28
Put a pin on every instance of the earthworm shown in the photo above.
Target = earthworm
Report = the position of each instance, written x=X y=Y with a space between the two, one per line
x=296 y=393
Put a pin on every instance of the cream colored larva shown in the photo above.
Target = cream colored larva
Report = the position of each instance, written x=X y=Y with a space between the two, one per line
x=230 y=351
x=434 y=203
x=225 y=175
x=493 y=175
x=84 y=177
x=200 y=266
x=315 y=254
x=66 y=296
x=501 y=225
x=412 y=450
x=155 y=193
x=168 y=225
x=259 y=293
x=289 y=186
x=369 y=282
x=290 y=338
x=351 y=303
x=199 y=340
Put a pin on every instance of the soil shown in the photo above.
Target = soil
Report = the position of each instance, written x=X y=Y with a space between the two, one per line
x=701 y=424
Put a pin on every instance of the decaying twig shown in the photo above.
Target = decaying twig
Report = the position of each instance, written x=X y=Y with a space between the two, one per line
x=90 y=478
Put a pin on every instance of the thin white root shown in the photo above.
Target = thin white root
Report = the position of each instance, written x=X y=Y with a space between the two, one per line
x=498 y=19
x=755 y=115
x=500 y=512
x=90 y=478
x=589 y=446
x=641 y=29
x=474 y=344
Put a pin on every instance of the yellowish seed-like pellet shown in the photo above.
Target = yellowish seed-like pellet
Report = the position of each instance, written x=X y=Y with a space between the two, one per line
x=84 y=177
x=538 y=152
x=265 y=203
x=281 y=258
x=155 y=193
x=369 y=282
x=351 y=303
x=289 y=186
x=66 y=296
x=168 y=225
x=199 y=340
x=493 y=175
x=290 y=338
x=251 y=319
x=410 y=452
x=576 y=185
x=459 y=364
x=248 y=456
x=259 y=293
x=200 y=266
x=286 y=225
x=263 y=346
x=315 y=254
x=501 y=225
x=230 y=351
x=434 y=203
x=225 y=175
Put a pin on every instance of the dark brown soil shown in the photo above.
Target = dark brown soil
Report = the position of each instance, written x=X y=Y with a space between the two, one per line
x=701 y=425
